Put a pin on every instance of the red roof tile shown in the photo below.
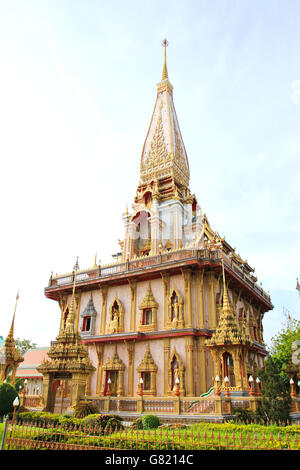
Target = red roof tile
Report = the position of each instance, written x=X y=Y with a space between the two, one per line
x=32 y=359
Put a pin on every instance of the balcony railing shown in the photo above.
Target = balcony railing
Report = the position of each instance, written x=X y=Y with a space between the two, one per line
x=166 y=258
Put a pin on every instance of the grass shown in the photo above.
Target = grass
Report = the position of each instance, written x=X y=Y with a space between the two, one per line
x=1 y=431
x=198 y=436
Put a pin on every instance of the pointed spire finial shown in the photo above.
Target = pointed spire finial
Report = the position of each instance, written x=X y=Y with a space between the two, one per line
x=226 y=304
x=11 y=330
x=95 y=261
x=70 y=317
x=76 y=266
x=165 y=70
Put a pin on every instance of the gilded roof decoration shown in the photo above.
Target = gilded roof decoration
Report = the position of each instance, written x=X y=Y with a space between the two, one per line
x=227 y=331
x=164 y=152
x=149 y=300
x=147 y=363
x=114 y=363
x=66 y=354
x=9 y=354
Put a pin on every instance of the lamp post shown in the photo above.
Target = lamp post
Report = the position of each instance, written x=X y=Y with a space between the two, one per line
x=25 y=391
x=141 y=387
x=218 y=391
x=226 y=380
x=16 y=403
x=177 y=387
x=298 y=383
x=258 y=387
x=108 y=392
x=251 y=386
x=292 y=383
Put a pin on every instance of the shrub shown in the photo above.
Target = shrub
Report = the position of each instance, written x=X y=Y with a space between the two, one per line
x=137 y=423
x=84 y=409
x=114 y=424
x=99 y=421
x=39 y=417
x=7 y=396
x=244 y=416
x=150 y=421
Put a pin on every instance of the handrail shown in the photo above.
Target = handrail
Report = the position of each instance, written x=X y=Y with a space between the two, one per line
x=166 y=257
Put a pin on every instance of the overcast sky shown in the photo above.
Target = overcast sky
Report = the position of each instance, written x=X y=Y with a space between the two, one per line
x=77 y=89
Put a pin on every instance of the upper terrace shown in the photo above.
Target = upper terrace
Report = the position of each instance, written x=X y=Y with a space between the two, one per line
x=153 y=265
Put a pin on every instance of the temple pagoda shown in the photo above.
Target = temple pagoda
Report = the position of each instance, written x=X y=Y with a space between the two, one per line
x=10 y=357
x=180 y=306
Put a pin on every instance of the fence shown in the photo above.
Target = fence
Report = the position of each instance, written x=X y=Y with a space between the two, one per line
x=27 y=436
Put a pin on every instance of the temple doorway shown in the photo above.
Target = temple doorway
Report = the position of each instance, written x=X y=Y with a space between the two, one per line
x=61 y=393
x=113 y=376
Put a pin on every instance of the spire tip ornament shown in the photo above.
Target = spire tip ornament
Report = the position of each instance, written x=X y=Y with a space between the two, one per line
x=165 y=70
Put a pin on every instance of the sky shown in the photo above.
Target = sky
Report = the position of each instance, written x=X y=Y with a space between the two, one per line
x=77 y=90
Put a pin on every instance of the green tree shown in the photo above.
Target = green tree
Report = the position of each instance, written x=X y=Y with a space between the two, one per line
x=24 y=345
x=7 y=395
x=281 y=344
x=276 y=400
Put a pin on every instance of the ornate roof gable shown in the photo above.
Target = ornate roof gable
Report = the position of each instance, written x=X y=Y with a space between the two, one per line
x=164 y=153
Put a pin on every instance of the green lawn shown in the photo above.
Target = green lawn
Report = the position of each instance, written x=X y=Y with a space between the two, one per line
x=198 y=436
x=1 y=430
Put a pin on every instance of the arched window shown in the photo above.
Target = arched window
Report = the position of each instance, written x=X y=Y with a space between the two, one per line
x=88 y=318
x=175 y=371
x=147 y=199
x=174 y=306
x=147 y=372
x=86 y=325
x=148 y=312
x=175 y=310
x=116 y=324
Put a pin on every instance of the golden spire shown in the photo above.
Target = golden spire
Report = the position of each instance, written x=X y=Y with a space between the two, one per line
x=226 y=304
x=70 y=318
x=165 y=70
x=95 y=261
x=11 y=330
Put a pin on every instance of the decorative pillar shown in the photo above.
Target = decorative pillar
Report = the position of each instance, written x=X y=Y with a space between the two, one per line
x=100 y=354
x=190 y=368
x=199 y=299
x=177 y=226
x=166 y=286
x=202 y=368
x=187 y=277
x=167 y=348
x=130 y=350
x=212 y=314
x=104 y=290
x=131 y=240
x=77 y=388
x=132 y=319
x=154 y=224
x=236 y=354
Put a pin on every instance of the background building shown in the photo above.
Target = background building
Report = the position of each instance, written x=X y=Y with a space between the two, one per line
x=27 y=370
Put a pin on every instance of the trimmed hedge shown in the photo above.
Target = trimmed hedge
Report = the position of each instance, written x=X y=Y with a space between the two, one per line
x=95 y=420
x=150 y=421
x=7 y=395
